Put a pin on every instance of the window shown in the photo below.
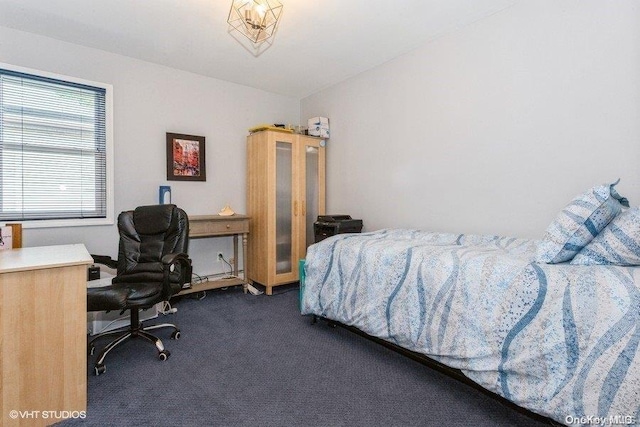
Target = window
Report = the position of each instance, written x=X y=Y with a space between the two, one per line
x=55 y=165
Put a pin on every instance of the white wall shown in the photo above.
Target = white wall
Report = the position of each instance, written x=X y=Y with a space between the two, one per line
x=492 y=128
x=150 y=100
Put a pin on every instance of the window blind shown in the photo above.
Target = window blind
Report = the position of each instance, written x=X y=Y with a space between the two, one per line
x=52 y=149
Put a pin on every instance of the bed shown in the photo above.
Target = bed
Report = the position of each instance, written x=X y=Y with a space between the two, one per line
x=559 y=340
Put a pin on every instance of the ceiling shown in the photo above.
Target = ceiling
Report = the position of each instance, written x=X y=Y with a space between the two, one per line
x=317 y=44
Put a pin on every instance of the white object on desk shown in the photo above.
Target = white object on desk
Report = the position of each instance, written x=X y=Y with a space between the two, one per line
x=6 y=239
x=226 y=211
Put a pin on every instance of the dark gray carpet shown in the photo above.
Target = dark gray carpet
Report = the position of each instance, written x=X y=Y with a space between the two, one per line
x=248 y=360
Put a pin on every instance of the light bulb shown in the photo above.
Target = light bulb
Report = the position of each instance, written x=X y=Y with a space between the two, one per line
x=260 y=9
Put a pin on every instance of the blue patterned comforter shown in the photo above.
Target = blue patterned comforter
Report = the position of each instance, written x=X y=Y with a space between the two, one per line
x=561 y=340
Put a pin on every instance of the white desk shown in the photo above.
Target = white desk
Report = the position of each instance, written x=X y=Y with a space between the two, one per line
x=43 y=346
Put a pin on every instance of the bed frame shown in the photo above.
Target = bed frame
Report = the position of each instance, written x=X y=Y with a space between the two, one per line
x=434 y=364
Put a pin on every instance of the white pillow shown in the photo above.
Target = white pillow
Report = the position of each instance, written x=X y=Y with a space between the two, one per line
x=617 y=244
x=579 y=222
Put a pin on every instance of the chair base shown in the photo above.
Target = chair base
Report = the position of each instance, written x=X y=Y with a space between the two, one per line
x=134 y=330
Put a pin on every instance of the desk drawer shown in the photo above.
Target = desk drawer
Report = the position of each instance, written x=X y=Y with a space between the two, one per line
x=211 y=228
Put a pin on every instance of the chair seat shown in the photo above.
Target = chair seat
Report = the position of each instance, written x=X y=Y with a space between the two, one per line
x=121 y=296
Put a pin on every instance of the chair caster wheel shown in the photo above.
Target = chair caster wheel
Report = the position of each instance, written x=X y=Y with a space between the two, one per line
x=164 y=355
x=175 y=335
x=99 y=369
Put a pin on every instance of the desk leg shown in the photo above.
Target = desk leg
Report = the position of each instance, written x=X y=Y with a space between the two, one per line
x=235 y=255
x=245 y=262
x=236 y=271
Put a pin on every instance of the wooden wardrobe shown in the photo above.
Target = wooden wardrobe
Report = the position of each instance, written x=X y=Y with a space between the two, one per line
x=285 y=194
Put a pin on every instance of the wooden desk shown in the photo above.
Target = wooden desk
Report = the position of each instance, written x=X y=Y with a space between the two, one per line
x=43 y=322
x=201 y=226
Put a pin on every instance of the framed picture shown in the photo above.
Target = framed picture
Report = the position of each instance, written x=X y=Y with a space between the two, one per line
x=185 y=158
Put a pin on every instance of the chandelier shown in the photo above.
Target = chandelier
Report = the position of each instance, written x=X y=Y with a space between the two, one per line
x=255 y=19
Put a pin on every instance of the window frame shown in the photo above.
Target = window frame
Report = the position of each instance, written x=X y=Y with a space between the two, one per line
x=109 y=152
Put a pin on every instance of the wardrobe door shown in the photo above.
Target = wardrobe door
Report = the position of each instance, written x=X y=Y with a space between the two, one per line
x=284 y=205
x=312 y=189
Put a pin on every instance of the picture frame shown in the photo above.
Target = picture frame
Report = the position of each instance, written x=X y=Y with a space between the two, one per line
x=186 y=157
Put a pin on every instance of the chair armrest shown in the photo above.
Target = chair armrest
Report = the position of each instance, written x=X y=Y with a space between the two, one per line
x=105 y=260
x=169 y=261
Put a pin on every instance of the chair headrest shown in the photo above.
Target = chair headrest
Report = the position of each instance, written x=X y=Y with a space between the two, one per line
x=153 y=219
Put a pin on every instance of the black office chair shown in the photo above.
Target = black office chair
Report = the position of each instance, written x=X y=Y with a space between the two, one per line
x=152 y=266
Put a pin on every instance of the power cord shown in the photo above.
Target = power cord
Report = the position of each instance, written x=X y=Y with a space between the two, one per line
x=106 y=327
x=252 y=290
x=230 y=275
x=167 y=309
x=196 y=278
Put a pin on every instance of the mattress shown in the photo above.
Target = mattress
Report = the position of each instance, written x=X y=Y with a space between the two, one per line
x=560 y=340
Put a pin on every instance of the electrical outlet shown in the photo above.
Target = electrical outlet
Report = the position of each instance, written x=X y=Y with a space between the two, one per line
x=220 y=256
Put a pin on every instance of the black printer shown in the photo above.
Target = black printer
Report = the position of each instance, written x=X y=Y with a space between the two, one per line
x=329 y=225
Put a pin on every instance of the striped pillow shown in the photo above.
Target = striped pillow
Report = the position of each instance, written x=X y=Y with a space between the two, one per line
x=617 y=244
x=579 y=222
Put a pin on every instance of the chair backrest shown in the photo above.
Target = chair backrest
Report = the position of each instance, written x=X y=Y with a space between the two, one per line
x=146 y=235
